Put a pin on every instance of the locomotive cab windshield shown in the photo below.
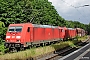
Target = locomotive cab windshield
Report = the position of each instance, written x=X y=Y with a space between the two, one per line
x=15 y=29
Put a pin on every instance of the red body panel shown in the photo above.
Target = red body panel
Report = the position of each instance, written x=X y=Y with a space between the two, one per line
x=48 y=33
x=56 y=33
x=39 y=34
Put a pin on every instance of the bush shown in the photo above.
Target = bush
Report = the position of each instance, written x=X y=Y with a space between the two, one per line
x=2 y=48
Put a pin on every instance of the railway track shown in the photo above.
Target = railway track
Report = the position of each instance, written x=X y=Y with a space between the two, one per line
x=64 y=52
x=60 y=53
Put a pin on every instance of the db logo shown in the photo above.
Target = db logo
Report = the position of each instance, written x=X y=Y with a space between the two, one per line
x=13 y=36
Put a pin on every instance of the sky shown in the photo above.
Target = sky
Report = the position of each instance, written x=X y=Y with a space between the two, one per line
x=73 y=10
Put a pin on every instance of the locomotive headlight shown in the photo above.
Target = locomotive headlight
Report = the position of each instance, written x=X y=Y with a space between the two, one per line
x=7 y=36
x=18 y=37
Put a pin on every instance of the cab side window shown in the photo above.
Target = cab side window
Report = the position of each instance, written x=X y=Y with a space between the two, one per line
x=62 y=30
x=28 y=30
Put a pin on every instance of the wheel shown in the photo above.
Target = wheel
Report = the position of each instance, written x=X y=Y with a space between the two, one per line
x=21 y=48
x=12 y=50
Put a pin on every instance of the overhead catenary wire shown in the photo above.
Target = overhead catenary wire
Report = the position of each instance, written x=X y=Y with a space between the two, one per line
x=84 y=11
x=76 y=8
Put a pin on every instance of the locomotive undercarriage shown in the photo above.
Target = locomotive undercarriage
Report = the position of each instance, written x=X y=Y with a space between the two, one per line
x=14 y=47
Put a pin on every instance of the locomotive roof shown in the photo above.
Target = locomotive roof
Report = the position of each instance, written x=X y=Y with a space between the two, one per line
x=44 y=26
x=37 y=25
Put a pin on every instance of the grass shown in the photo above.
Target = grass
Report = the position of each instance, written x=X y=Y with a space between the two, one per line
x=33 y=52
x=82 y=38
x=28 y=53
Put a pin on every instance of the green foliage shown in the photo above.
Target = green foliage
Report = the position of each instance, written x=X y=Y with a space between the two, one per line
x=2 y=32
x=75 y=24
x=34 y=11
x=2 y=24
x=2 y=49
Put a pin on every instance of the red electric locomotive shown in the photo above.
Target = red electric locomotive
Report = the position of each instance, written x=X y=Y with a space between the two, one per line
x=28 y=34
